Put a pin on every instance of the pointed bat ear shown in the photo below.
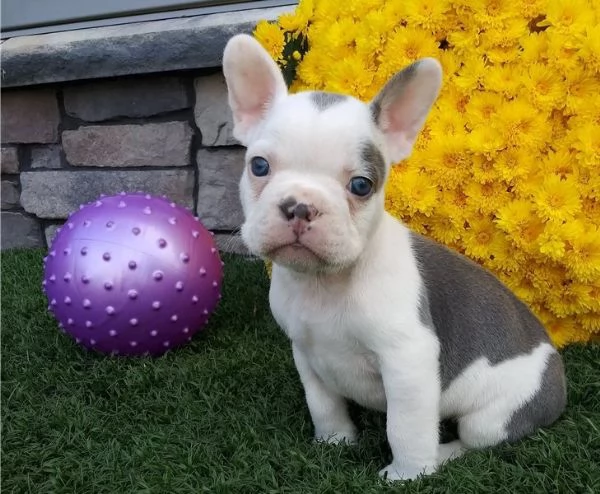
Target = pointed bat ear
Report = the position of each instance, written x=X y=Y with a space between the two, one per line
x=401 y=107
x=254 y=84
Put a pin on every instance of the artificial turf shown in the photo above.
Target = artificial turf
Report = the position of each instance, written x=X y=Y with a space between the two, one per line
x=226 y=413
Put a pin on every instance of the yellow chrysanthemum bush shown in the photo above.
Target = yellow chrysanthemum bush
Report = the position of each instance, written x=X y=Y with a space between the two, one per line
x=507 y=168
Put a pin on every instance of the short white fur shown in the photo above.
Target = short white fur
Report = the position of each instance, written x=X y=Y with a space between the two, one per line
x=345 y=286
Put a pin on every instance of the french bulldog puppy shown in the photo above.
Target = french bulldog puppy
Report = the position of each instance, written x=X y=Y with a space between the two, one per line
x=376 y=313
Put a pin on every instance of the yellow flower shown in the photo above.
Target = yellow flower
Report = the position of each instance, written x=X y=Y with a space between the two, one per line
x=417 y=222
x=297 y=21
x=494 y=12
x=546 y=277
x=570 y=17
x=326 y=11
x=486 y=140
x=447 y=162
x=442 y=228
x=486 y=198
x=481 y=106
x=450 y=66
x=505 y=259
x=580 y=85
x=502 y=45
x=535 y=47
x=482 y=168
x=404 y=46
x=521 y=124
x=503 y=79
x=590 y=47
x=559 y=163
x=450 y=102
x=583 y=260
x=378 y=23
x=449 y=217
x=525 y=292
x=480 y=236
x=368 y=49
x=557 y=199
x=552 y=242
x=415 y=190
x=429 y=16
x=313 y=69
x=424 y=139
x=271 y=37
x=591 y=208
x=591 y=323
x=348 y=75
x=472 y=73
x=513 y=164
x=463 y=40
x=531 y=8
x=562 y=52
x=518 y=220
x=446 y=125
x=569 y=298
x=338 y=36
x=357 y=9
x=562 y=330
x=544 y=86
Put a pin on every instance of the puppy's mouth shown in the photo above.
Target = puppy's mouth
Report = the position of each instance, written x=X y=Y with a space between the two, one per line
x=293 y=253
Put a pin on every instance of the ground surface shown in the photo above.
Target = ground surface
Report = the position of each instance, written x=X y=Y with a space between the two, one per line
x=226 y=414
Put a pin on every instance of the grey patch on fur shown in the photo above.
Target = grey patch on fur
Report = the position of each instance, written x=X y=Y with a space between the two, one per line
x=324 y=100
x=545 y=406
x=425 y=311
x=473 y=314
x=389 y=92
x=374 y=164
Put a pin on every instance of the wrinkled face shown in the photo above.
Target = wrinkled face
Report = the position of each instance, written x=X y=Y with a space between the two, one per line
x=312 y=188
x=316 y=163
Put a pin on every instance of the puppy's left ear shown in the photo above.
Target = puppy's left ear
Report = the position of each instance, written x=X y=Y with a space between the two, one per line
x=254 y=84
x=401 y=107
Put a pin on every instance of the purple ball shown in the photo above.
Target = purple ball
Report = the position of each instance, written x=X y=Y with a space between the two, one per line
x=132 y=274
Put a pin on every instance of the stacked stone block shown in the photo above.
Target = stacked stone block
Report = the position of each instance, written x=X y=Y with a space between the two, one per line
x=64 y=145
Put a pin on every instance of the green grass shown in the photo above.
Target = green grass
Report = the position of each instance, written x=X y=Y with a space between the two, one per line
x=226 y=413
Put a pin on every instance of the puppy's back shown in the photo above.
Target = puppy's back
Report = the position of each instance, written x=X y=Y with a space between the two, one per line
x=471 y=311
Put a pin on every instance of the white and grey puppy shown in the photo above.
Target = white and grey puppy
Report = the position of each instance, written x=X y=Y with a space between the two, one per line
x=376 y=313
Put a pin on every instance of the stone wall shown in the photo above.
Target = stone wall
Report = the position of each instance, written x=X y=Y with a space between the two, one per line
x=65 y=144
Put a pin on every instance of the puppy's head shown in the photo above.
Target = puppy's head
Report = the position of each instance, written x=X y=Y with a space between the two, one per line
x=316 y=163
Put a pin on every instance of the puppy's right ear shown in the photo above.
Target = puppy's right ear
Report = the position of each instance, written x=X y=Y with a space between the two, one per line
x=254 y=84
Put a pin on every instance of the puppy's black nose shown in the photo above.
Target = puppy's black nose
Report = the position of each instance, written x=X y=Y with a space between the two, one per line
x=302 y=212
x=290 y=208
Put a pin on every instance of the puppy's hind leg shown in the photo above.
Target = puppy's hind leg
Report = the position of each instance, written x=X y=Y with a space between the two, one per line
x=530 y=392
x=450 y=451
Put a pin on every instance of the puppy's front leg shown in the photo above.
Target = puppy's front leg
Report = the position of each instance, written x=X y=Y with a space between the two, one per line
x=328 y=409
x=410 y=379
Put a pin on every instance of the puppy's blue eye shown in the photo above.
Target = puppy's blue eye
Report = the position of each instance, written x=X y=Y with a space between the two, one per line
x=360 y=186
x=259 y=166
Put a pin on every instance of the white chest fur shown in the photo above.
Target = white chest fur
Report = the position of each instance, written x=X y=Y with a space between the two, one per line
x=338 y=323
x=324 y=330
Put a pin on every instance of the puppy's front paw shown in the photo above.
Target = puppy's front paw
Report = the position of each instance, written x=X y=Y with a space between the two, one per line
x=399 y=472
x=347 y=437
